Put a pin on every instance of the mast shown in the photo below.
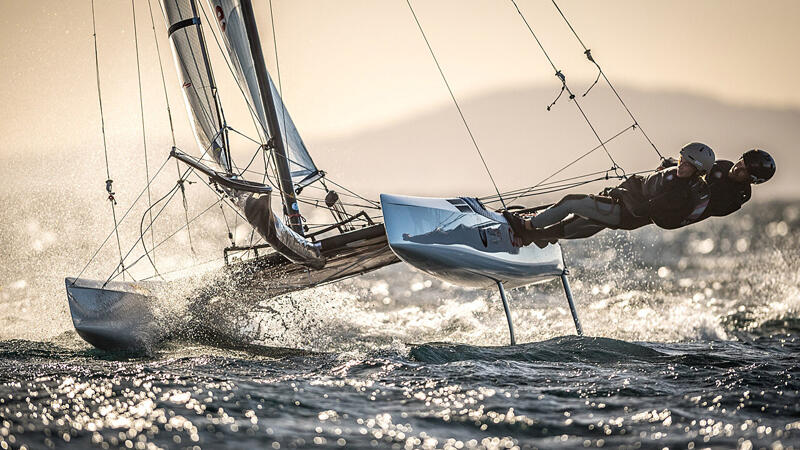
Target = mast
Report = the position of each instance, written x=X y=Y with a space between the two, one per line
x=278 y=145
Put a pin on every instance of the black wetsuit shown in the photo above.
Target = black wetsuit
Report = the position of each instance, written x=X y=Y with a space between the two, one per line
x=727 y=195
x=661 y=197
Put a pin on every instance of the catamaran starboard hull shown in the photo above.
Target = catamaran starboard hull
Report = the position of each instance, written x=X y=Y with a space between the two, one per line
x=458 y=240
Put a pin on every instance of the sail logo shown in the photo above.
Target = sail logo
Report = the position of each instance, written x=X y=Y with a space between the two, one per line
x=221 y=17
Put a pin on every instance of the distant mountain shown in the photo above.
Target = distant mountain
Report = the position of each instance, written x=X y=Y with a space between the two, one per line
x=431 y=153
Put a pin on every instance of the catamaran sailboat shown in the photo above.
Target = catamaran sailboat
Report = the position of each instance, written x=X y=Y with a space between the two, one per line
x=458 y=240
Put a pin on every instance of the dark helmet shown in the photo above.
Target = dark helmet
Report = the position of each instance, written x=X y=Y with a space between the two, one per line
x=760 y=165
x=699 y=155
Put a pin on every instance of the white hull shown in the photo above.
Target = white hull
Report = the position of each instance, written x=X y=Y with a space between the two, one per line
x=119 y=316
x=459 y=241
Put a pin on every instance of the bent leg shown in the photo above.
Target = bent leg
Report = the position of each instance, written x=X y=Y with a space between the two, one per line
x=600 y=209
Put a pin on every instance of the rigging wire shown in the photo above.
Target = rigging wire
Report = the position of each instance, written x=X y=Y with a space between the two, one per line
x=460 y=113
x=182 y=178
x=184 y=269
x=141 y=225
x=112 y=232
x=115 y=274
x=109 y=181
x=564 y=87
x=589 y=56
x=171 y=127
x=327 y=178
x=144 y=130
x=225 y=219
x=574 y=161
x=265 y=176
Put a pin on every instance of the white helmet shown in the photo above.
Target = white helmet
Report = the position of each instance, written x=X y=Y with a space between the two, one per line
x=700 y=155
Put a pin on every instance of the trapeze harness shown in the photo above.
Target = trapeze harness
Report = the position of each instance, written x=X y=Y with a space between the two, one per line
x=662 y=198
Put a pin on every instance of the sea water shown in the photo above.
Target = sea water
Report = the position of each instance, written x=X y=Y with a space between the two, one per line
x=691 y=341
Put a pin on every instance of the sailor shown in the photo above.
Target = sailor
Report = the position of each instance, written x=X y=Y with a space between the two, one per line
x=671 y=197
x=730 y=184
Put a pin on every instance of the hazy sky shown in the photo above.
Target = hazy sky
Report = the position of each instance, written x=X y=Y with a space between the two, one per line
x=347 y=65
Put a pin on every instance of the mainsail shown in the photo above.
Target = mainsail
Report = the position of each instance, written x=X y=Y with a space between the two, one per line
x=191 y=58
x=230 y=20
x=188 y=48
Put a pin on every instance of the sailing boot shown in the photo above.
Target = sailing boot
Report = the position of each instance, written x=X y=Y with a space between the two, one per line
x=548 y=235
x=527 y=234
x=519 y=227
x=516 y=223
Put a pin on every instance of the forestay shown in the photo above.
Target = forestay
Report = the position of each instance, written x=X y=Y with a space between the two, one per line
x=229 y=16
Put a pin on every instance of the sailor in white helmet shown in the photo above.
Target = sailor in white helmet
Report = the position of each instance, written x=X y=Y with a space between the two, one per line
x=671 y=197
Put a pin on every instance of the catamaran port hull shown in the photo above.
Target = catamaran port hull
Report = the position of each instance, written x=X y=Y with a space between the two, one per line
x=458 y=240
x=117 y=316
x=137 y=316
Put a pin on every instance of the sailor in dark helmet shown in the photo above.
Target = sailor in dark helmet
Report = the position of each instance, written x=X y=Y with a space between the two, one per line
x=729 y=183
x=671 y=197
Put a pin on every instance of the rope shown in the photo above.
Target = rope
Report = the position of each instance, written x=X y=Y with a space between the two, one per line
x=112 y=232
x=560 y=185
x=564 y=87
x=574 y=161
x=114 y=275
x=588 y=54
x=144 y=130
x=182 y=178
x=109 y=181
x=460 y=113
x=141 y=225
x=171 y=194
